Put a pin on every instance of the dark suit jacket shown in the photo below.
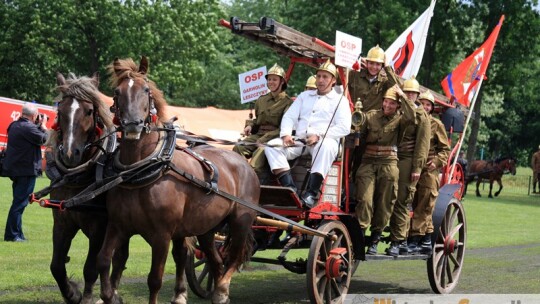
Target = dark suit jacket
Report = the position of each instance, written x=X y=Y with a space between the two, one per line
x=23 y=151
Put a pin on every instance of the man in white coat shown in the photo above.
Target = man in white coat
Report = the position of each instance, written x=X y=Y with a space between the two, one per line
x=320 y=117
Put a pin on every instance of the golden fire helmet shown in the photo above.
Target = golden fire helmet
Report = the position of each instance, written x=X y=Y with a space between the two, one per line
x=376 y=54
x=392 y=94
x=329 y=67
x=310 y=83
x=411 y=85
x=278 y=71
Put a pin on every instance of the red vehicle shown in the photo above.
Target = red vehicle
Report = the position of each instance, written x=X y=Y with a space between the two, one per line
x=330 y=230
x=10 y=110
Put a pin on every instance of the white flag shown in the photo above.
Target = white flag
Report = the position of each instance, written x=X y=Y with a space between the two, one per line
x=406 y=53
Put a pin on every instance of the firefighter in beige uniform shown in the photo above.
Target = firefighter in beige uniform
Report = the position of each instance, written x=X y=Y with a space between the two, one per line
x=269 y=110
x=413 y=147
x=377 y=176
x=373 y=81
x=428 y=185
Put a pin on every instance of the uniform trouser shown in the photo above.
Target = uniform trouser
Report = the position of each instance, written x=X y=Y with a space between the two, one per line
x=22 y=187
x=323 y=155
x=399 y=221
x=376 y=193
x=424 y=203
x=258 y=159
x=535 y=179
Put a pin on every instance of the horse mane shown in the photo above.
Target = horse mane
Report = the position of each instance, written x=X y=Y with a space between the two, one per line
x=82 y=88
x=121 y=69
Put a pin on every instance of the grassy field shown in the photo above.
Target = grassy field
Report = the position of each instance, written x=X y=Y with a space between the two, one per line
x=509 y=220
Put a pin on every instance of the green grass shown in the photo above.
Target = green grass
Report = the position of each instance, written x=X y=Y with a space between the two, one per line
x=509 y=220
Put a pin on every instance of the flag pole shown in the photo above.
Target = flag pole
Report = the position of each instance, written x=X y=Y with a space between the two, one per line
x=460 y=142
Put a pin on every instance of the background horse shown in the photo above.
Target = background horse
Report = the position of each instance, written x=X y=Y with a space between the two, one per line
x=77 y=142
x=171 y=207
x=492 y=170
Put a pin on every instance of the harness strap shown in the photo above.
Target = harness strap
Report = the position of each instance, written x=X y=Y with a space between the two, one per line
x=242 y=202
x=214 y=172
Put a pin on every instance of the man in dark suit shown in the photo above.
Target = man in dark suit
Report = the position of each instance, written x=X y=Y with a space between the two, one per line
x=22 y=165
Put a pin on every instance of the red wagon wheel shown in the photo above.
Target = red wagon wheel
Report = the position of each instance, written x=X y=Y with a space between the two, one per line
x=198 y=274
x=445 y=264
x=330 y=265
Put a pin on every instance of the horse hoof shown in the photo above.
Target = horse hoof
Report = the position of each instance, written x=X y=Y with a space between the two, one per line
x=220 y=299
x=181 y=299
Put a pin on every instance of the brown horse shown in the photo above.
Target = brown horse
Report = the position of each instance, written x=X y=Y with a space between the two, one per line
x=77 y=142
x=492 y=170
x=171 y=208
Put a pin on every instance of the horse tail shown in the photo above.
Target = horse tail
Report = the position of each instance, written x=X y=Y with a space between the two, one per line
x=244 y=255
x=190 y=243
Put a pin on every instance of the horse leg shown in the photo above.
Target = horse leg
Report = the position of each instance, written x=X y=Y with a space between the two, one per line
x=90 y=272
x=490 y=188
x=62 y=236
x=160 y=250
x=499 y=181
x=179 y=253
x=119 y=260
x=239 y=251
x=113 y=238
x=478 y=186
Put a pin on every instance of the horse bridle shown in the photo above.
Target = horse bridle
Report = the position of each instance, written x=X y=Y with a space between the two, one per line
x=150 y=118
x=97 y=129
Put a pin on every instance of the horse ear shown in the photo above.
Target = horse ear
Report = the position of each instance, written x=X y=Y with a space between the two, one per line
x=143 y=65
x=95 y=79
x=60 y=80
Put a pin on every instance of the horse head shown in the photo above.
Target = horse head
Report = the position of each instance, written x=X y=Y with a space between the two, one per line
x=138 y=103
x=511 y=165
x=81 y=118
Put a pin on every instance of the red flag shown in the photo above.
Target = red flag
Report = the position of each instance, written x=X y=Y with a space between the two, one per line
x=462 y=82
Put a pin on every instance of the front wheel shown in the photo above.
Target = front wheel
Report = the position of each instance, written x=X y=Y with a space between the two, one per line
x=330 y=265
x=445 y=264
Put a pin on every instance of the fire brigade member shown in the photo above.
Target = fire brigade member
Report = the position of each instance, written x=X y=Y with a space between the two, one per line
x=535 y=164
x=269 y=110
x=372 y=82
x=311 y=83
x=377 y=176
x=413 y=148
x=320 y=117
x=428 y=185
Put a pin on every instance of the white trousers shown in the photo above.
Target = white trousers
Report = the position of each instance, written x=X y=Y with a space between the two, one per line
x=320 y=163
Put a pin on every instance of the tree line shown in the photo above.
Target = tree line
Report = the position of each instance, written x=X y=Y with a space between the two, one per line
x=196 y=62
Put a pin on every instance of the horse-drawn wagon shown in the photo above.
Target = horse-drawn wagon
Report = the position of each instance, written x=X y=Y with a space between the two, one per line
x=153 y=188
x=330 y=230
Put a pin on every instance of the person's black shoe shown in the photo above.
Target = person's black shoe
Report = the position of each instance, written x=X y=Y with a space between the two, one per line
x=372 y=250
x=425 y=244
x=314 y=184
x=17 y=239
x=393 y=250
x=309 y=200
x=414 y=244
x=403 y=248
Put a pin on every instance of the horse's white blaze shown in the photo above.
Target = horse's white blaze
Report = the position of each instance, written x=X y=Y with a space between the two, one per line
x=74 y=107
x=130 y=83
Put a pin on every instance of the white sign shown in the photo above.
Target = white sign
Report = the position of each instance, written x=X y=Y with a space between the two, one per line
x=348 y=49
x=252 y=84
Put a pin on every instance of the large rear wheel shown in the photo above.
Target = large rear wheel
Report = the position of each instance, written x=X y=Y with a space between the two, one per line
x=446 y=262
x=330 y=265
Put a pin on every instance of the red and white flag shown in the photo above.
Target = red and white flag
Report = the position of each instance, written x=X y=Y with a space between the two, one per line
x=462 y=83
x=407 y=51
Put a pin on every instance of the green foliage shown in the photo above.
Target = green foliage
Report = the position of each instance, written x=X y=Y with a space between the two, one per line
x=196 y=62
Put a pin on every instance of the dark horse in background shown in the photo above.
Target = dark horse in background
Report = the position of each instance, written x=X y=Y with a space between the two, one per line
x=78 y=139
x=170 y=207
x=492 y=170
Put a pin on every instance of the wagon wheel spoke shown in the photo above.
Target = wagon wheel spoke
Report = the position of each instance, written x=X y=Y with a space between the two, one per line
x=322 y=285
x=203 y=275
x=199 y=263
x=453 y=215
x=337 y=243
x=210 y=282
x=449 y=273
x=454 y=260
x=455 y=230
x=444 y=261
x=438 y=260
x=335 y=288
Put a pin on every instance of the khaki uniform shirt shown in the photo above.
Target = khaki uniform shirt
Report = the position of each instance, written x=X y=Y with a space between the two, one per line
x=370 y=92
x=269 y=112
x=414 y=140
x=535 y=162
x=439 y=149
x=381 y=130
